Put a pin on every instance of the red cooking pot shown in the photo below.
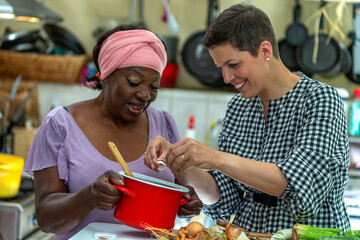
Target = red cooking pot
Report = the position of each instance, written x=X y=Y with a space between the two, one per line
x=148 y=201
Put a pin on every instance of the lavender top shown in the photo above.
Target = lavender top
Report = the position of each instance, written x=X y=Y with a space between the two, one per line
x=60 y=142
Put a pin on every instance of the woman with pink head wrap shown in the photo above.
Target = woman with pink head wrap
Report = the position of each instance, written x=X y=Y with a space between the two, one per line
x=73 y=168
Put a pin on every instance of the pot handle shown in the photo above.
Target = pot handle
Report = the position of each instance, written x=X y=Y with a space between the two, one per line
x=125 y=190
x=183 y=201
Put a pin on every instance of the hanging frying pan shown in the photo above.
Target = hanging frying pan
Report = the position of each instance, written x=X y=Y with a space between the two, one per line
x=344 y=63
x=328 y=54
x=196 y=57
x=287 y=55
x=62 y=38
x=353 y=74
x=296 y=34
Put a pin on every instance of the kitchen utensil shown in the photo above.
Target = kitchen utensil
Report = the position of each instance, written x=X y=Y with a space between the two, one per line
x=132 y=11
x=10 y=175
x=353 y=74
x=120 y=159
x=19 y=112
x=7 y=109
x=344 y=63
x=153 y=202
x=196 y=57
x=287 y=54
x=296 y=33
x=171 y=20
x=139 y=5
x=329 y=54
x=61 y=38
x=171 y=44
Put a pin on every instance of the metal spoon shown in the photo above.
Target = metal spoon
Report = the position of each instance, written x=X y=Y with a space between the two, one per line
x=120 y=159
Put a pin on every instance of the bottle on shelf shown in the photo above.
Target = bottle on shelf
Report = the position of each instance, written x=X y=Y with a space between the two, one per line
x=190 y=131
x=215 y=134
x=209 y=134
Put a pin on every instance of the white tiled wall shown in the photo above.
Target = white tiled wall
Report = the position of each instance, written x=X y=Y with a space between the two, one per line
x=206 y=106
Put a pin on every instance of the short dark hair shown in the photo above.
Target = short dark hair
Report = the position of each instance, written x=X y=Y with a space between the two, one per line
x=244 y=27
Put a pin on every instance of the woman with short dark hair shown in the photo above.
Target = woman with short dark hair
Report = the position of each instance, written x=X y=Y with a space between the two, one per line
x=283 y=153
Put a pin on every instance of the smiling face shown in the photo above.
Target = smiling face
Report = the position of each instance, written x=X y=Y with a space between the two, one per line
x=247 y=73
x=129 y=91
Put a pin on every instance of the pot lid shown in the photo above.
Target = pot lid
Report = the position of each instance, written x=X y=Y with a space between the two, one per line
x=156 y=182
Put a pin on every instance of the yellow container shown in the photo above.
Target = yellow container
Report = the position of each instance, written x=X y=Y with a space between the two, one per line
x=10 y=175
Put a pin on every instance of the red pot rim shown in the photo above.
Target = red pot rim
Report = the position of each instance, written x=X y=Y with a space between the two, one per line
x=155 y=182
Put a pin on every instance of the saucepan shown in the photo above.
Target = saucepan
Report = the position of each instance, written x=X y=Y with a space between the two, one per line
x=148 y=202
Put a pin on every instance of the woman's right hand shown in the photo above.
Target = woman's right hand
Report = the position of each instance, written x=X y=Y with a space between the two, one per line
x=103 y=194
x=157 y=148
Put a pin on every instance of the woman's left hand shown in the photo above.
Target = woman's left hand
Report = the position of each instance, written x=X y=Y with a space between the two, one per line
x=194 y=205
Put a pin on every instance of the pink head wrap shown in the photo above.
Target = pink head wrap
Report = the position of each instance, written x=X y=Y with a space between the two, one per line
x=131 y=48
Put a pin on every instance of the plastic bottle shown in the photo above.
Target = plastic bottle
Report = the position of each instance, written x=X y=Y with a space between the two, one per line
x=190 y=131
x=354 y=128
x=215 y=134
x=208 y=140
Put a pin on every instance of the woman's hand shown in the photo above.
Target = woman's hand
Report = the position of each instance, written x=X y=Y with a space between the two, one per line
x=103 y=195
x=190 y=153
x=194 y=205
x=158 y=148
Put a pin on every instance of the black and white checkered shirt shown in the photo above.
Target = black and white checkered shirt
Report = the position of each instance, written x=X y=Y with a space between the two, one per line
x=306 y=137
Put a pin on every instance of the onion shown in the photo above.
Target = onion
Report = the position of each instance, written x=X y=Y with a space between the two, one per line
x=194 y=228
x=233 y=232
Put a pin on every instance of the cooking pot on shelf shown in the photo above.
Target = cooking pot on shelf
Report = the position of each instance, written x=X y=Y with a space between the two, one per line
x=10 y=175
x=148 y=202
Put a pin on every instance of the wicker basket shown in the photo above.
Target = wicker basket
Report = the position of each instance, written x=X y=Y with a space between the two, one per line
x=41 y=67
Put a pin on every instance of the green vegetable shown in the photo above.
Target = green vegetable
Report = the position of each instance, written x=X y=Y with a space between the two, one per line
x=306 y=232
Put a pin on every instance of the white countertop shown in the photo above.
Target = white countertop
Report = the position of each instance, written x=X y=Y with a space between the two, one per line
x=122 y=232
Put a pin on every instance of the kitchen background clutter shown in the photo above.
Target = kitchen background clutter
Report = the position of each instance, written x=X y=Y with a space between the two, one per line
x=49 y=56
x=188 y=18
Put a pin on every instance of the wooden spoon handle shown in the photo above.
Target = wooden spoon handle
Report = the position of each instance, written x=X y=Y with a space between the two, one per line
x=120 y=159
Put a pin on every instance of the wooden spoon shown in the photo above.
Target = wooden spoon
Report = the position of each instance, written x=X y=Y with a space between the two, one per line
x=120 y=159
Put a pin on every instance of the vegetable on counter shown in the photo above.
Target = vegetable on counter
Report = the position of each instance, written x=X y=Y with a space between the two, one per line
x=285 y=234
x=196 y=231
x=306 y=232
